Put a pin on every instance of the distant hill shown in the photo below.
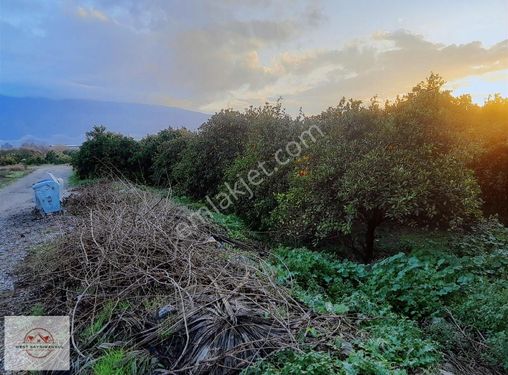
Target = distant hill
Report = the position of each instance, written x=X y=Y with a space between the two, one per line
x=49 y=121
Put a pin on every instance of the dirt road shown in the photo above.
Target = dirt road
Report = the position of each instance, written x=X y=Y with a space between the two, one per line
x=19 y=194
x=20 y=227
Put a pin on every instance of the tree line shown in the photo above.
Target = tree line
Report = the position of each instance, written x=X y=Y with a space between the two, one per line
x=34 y=155
x=425 y=159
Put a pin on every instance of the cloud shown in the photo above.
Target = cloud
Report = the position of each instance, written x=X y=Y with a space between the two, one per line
x=217 y=59
x=91 y=13
x=205 y=55
x=224 y=57
x=222 y=67
x=387 y=64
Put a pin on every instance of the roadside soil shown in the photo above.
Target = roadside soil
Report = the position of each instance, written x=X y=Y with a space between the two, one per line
x=21 y=226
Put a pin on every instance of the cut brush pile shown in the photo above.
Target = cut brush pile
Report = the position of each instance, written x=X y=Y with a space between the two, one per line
x=174 y=304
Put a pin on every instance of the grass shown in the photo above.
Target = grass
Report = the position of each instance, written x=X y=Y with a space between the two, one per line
x=120 y=361
x=235 y=227
x=75 y=181
x=111 y=363
x=98 y=323
x=38 y=310
x=101 y=319
x=12 y=173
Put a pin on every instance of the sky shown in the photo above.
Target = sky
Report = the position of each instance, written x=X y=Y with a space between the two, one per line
x=207 y=55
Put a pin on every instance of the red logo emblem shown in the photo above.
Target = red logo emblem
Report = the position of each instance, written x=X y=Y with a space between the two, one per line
x=38 y=343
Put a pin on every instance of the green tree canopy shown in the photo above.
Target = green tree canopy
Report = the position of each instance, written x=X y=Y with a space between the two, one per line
x=105 y=153
x=376 y=166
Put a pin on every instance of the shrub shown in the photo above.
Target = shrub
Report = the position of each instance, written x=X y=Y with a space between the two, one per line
x=202 y=164
x=491 y=167
x=146 y=154
x=168 y=154
x=105 y=153
x=53 y=157
x=487 y=236
x=270 y=130
x=7 y=159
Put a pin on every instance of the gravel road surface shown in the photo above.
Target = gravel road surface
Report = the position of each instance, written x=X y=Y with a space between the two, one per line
x=20 y=226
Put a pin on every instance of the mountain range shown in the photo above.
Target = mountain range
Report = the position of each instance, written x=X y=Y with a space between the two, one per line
x=50 y=121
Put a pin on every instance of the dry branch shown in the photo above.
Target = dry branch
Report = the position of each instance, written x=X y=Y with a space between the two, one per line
x=197 y=306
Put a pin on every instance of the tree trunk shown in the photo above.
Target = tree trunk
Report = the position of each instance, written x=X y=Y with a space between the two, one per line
x=374 y=218
x=369 y=241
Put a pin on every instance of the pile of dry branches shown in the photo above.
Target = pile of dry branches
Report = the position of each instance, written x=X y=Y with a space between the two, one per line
x=129 y=279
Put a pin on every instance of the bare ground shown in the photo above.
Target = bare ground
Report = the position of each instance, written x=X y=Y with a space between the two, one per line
x=21 y=227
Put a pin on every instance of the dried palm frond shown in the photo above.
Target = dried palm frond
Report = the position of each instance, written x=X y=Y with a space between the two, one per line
x=128 y=278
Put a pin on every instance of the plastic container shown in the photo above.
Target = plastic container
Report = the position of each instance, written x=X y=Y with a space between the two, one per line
x=48 y=194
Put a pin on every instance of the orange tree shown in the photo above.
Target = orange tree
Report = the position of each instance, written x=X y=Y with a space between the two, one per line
x=376 y=165
x=491 y=167
x=202 y=164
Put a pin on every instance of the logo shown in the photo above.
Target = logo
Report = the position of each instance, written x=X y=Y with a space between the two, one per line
x=39 y=343
x=36 y=343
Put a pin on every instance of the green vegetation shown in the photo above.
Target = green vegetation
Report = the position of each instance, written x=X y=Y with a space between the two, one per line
x=75 y=181
x=234 y=226
x=12 y=173
x=426 y=160
x=416 y=190
x=112 y=363
x=415 y=305
x=38 y=310
x=14 y=162
x=107 y=154
x=99 y=322
x=120 y=362
x=34 y=155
